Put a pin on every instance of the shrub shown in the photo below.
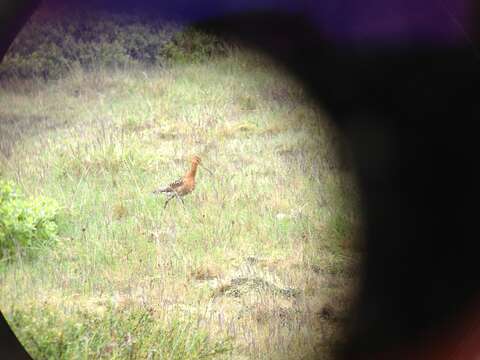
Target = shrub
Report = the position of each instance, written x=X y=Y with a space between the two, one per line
x=49 y=47
x=192 y=45
x=25 y=224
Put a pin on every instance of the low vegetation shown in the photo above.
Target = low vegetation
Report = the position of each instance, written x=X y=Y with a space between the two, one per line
x=259 y=263
x=48 y=47
x=26 y=225
x=133 y=334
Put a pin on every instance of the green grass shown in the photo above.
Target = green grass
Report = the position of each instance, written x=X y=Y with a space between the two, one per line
x=127 y=277
x=136 y=334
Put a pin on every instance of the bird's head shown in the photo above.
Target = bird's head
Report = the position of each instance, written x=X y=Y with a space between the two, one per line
x=196 y=160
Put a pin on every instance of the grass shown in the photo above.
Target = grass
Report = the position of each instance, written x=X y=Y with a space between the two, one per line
x=259 y=263
x=111 y=334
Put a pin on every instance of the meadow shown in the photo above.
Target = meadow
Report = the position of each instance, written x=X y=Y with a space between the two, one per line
x=259 y=263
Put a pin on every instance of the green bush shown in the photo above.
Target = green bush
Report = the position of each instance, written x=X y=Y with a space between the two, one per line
x=25 y=224
x=192 y=45
x=49 y=47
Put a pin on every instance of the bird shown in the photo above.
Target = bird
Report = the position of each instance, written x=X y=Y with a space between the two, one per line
x=183 y=186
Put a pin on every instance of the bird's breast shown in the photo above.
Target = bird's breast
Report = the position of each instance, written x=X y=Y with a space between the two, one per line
x=188 y=186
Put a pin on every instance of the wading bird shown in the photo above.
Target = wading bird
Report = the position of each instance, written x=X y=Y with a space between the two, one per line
x=183 y=186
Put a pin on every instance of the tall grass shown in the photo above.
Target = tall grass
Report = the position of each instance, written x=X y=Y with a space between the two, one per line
x=258 y=263
x=136 y=334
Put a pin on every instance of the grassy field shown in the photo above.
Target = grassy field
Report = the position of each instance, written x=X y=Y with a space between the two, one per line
x=258 y=264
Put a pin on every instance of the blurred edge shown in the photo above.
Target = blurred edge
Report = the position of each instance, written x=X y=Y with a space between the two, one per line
x=10 y=347
x=13 y=15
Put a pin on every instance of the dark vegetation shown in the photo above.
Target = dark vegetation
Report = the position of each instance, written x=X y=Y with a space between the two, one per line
x=49 y=46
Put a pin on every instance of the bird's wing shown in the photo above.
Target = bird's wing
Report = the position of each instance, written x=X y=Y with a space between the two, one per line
x=176 y=184
x=170 y=188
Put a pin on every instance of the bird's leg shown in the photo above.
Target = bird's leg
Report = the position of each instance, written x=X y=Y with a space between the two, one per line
x=179 y=198
x=166 y=202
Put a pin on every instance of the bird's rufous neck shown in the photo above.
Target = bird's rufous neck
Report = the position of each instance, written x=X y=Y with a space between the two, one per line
x=193 y=170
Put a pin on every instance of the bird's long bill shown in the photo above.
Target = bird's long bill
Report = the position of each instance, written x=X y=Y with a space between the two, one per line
x=211 y=173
